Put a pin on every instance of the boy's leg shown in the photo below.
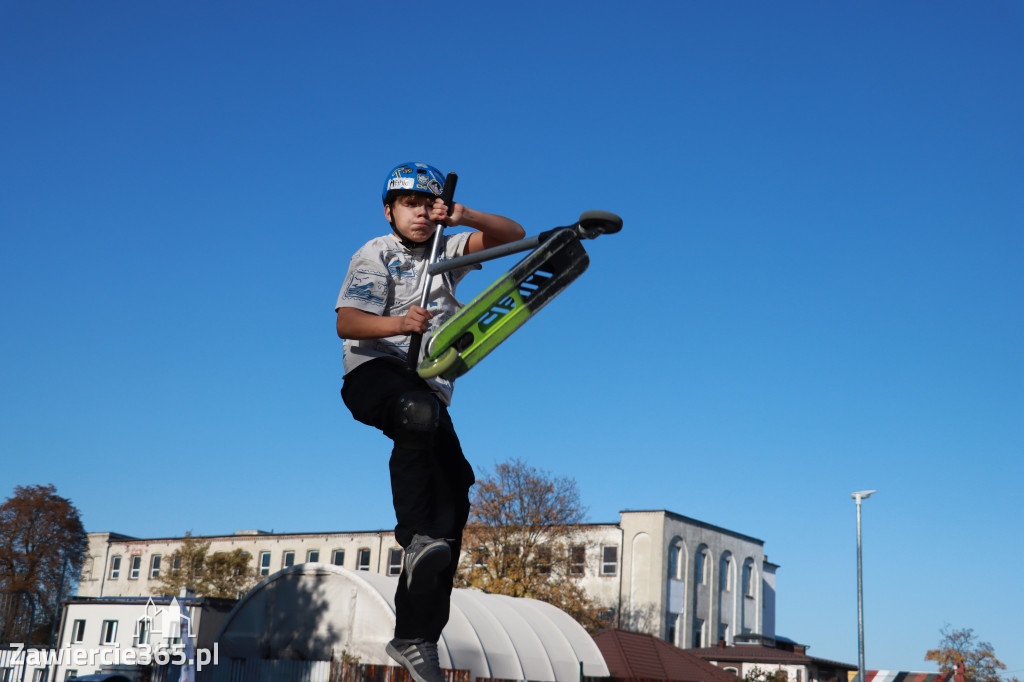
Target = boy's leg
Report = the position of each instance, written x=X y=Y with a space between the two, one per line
x=425 y=615
x=377 y=393
x=430 y=488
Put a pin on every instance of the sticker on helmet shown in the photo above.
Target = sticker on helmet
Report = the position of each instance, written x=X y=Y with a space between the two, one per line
x=425 y=183
x=400 y=183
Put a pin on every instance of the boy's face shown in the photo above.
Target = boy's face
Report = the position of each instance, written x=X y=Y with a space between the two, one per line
x=410 y=215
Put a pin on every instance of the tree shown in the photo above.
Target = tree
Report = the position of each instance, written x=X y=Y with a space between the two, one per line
x=42 y=546
x=221 y=574
x=758 y=674
x=963 y=647
x=522 y=540
x=229 y=574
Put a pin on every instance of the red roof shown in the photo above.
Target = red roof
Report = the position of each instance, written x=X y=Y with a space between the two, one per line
x=638 y=656
x=750 y=653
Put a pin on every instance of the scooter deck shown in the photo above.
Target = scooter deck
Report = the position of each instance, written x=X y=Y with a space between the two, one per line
x=490 y=318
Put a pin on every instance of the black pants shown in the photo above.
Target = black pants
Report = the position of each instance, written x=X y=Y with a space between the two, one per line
x=429 y=487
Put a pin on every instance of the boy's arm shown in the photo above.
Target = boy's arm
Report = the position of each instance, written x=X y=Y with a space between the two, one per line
x=492 y=230
x=355 y=324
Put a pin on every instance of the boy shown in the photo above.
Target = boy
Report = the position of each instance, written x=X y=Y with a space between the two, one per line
x=430 y=478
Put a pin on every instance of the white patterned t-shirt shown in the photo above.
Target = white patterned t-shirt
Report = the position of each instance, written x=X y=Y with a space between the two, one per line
x=386 y=278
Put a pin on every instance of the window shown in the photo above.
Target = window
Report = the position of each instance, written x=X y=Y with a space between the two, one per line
x=78 y=632
x=723 y=632
x=609 y=560
x=264 y=563
x=675 y=560
x=481 y=555
x=395 y=561
x=544 y=560
x=108 y=633
x=725 y=574
x=748 y=578
x=363 y=560
x=288 y=559
x=313 y=556
x=339 y=557
x=115 y=568
x=698 y=633
x=177 y=627
x=672 y=628
x=143 y=626
x=577 y=559
x=701 y=566
x=136 y=568
x=154 y=566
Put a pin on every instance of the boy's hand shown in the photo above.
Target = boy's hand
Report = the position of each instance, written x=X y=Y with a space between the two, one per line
x=439 y=214
x=416 y=321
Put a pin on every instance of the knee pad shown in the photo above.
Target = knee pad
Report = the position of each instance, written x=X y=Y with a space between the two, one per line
x=415 y=418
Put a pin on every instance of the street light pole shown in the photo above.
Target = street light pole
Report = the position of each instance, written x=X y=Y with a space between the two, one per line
x=858 y=496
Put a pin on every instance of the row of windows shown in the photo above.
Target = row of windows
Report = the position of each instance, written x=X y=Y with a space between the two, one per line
x=577 y=561
x=108 y=633
x=702 y=567
x=38 y=675
x=287 y=559
x=673 y=624
x=135 y=567
x=337 y=559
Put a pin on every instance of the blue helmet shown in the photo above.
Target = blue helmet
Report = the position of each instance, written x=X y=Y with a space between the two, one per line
x=413 y=177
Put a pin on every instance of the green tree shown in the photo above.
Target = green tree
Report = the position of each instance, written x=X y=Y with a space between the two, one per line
x=962 y=646
x=221 y=574
x=42 y=546
x=522 y=540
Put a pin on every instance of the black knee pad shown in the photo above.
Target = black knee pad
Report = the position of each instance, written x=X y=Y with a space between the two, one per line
x=415 y=418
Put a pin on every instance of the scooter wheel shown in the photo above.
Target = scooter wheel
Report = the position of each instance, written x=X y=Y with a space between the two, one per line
x=429 y=369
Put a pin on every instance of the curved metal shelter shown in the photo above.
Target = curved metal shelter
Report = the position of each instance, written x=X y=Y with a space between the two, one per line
x=320 y=611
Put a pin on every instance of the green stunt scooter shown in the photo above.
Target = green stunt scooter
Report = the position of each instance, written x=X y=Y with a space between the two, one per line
x=558 y=258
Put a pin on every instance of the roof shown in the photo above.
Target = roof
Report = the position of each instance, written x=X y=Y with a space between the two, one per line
x=638 y=656
x=750 y=653
x=903 y=676
x=315 y=611
x=694 y=522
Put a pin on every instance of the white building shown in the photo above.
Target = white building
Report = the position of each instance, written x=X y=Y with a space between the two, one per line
x=119 y=634
x=687 y=581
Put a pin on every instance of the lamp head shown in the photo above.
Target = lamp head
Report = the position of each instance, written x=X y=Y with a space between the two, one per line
x=863 y=494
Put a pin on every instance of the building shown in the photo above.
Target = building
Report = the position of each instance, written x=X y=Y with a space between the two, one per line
x=784 y=656
x=688 y=582
x=122 y=634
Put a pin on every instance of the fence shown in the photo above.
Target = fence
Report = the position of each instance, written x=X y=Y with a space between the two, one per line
x=17 y=616
x=260 y=670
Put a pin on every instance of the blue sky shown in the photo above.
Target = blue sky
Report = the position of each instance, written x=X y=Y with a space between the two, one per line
x=817 y=290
